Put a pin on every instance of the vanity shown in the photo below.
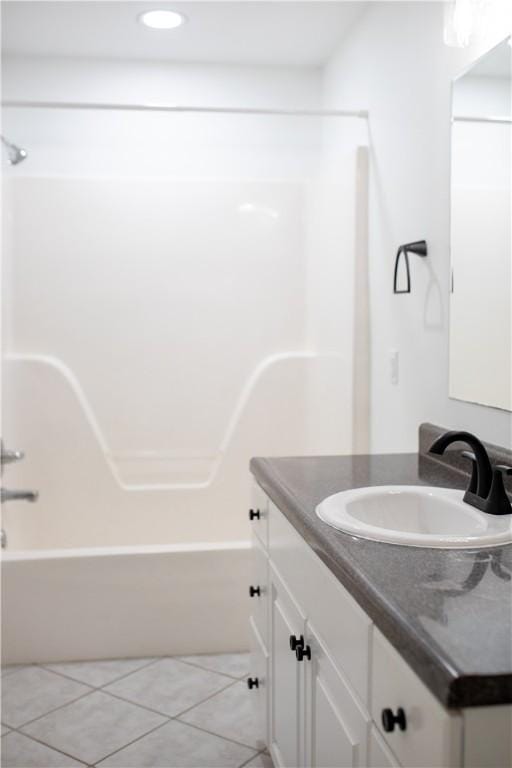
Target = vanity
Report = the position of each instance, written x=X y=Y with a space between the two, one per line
x=365 y=653
x=395 y=651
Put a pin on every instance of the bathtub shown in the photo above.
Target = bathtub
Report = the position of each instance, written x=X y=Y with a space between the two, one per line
x=70 y=590
x=113 y=602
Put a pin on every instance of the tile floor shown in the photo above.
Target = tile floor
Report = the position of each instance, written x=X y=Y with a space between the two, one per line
x=184 y=712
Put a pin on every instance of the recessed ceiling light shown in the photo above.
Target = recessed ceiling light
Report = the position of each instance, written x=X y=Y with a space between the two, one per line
x=162 y=19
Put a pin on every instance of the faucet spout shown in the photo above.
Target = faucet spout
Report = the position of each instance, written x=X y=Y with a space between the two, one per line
x=484 y=469
x=7 y=495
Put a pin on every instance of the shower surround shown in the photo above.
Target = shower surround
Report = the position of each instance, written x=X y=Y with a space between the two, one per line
x=168 y=316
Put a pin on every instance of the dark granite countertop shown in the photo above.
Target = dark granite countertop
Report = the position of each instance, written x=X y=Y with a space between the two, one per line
x=447 y=612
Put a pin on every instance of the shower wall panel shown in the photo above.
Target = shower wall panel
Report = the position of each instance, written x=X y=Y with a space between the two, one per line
x=180 y=300
x=158 y=341
x=161 y=298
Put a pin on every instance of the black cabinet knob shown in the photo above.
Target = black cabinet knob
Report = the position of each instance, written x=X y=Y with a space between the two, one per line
x=253 y=682
x=254 y=514
x=389 y=720
x=253 y=591
x=303 y=653
x=296 y=642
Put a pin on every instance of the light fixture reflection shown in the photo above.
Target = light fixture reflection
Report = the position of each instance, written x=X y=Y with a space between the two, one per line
x=162 y=19
x=464 y=20
x=261 y=209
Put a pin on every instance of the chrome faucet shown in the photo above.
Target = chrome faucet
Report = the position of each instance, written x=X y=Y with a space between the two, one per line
x=8 y=457
x=7 y=495
x=486 y=490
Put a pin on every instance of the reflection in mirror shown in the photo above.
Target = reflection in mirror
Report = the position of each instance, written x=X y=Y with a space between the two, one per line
x=481 y=292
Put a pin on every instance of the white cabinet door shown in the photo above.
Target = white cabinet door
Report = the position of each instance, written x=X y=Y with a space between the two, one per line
x=337 y=727
x=328 y=606
x=430 y=735
x=260 y=688
x=258 y=588
x=287 y=711
x=258 y=514
x=380 y=755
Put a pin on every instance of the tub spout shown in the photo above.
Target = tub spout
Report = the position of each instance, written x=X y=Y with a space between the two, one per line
x=7 y=495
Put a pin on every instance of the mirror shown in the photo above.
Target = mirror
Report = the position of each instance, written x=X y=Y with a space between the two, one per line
x=481 y=290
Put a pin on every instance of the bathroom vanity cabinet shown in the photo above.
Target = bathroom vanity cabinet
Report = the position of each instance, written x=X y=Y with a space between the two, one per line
x=330 y=690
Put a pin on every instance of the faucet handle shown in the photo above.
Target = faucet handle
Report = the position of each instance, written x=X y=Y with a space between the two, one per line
x=473 y=483
x=498 y=502
x=8 y=457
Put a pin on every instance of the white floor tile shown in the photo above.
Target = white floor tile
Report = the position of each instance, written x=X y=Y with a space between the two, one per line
x=9 y=668
x=178 y=746
x=93 y=727
x=168 y=686
x=232 y=664
x=20 y=751
x=32 y=692
x=230 y=713
x=98 y=673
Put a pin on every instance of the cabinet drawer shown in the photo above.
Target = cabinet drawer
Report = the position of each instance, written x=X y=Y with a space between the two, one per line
x=259 y=601
x=260 y=695
x=345 y=628
x=258 y=513
x=432 y=735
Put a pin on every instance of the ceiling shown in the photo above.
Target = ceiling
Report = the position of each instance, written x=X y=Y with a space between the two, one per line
x=300 y=34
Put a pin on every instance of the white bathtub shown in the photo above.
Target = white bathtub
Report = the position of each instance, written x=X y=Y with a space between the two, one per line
x=71 y=604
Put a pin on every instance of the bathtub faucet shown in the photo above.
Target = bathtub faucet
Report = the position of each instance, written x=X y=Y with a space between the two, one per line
x=7 y=495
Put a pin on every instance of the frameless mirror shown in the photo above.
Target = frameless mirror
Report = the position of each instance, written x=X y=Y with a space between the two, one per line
x=481 y=290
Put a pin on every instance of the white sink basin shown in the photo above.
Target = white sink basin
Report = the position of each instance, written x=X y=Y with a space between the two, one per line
x=417 y=516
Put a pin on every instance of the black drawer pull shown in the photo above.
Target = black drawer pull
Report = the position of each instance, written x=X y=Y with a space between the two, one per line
x=253 y=682
x=254 y=514
x=296 y=642
x=389 y=720
x=303 y=653
x=253 y=591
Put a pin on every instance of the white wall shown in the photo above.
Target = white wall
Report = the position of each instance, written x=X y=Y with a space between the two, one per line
x=109 y=143
x=395 y=64
x=484 y=96
x=121 y=81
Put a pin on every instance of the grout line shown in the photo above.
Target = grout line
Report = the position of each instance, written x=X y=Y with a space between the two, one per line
x=49 y=746
x=163 y=714
x=137 y=704
x=260 y=752
x=130 y=743
x=44 y=743
x=203 y=701
x=93 y=689
x=50 y=711
x=219 y=736
x=99 y=687
x=168 y=718
x=208 y=669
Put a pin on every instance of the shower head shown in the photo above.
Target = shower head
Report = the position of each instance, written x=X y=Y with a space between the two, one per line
x=16 y=154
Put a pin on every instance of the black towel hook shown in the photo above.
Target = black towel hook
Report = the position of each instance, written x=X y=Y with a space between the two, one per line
x=420 y=249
